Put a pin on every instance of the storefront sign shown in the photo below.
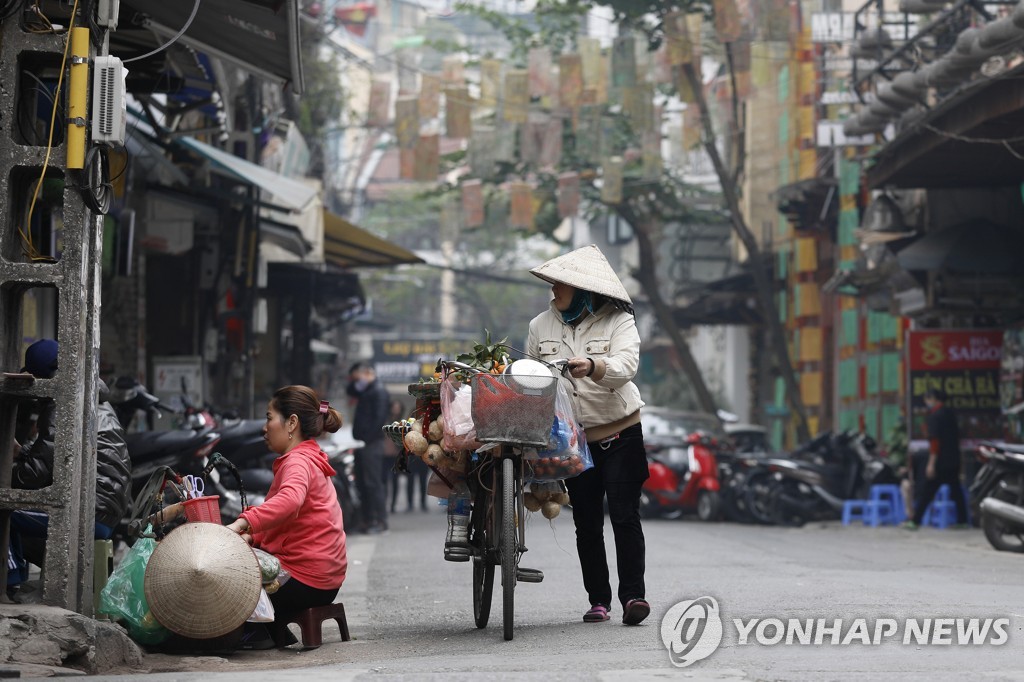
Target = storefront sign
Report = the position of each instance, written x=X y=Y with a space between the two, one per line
x=965 y=365
x=408 y=360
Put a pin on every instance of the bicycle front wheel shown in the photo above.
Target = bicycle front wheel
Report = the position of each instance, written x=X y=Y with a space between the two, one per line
x=483 y=558
x=509 y=543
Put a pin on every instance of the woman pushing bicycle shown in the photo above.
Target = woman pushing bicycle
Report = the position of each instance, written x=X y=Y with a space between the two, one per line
x=591 y=322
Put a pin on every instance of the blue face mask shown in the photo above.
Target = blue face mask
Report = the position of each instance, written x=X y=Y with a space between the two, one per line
x=581 y=301
x=361 y=385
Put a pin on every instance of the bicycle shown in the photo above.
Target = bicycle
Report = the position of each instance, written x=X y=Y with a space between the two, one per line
x=495 y=478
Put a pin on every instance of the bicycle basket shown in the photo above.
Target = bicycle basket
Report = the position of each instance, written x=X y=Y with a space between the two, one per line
x=508 y=411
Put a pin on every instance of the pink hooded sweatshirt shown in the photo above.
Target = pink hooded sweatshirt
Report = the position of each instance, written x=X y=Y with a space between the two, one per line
x=300 y=521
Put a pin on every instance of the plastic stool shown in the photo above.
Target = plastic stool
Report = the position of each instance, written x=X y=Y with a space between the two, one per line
x=853 y=510
x=102 y=567
x=310 y=622
x=940 y=514
x=889 y=494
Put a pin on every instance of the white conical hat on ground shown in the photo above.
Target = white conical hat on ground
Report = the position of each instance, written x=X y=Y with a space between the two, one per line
x=202 y=581
x=585 y=268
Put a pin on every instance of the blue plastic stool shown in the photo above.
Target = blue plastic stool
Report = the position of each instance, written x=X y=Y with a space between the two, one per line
x=871 y=512
x=888 y=494
x=941 y=513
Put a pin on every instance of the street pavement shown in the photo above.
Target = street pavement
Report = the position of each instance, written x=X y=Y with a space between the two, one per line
x=410 y=612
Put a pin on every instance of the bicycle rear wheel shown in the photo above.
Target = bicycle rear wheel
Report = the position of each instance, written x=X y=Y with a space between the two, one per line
x=483 y=557
x=509 y=543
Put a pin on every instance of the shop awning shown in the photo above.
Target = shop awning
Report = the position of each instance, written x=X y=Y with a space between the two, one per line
x=292 y=194
x=348 y=246
x=260 y=36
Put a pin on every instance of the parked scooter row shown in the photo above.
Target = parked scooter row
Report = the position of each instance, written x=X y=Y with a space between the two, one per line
x=187 y=449
x=814 y=481
x=997 y=494
x=703 y=474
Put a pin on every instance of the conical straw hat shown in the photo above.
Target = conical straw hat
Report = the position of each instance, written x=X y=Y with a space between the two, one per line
x=202 y=581
x=586 y=269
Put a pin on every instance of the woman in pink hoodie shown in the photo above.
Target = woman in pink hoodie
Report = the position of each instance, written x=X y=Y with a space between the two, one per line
x=300 y=521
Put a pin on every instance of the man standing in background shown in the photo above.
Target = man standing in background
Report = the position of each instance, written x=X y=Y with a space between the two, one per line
x=943 y=466
x=372 y=405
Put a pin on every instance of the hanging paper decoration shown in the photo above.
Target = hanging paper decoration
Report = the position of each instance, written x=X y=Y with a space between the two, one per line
x=490 y=82
x=473 y=203
x=590 y=58
x=568 y=194
x=613 y=142
x=677 y=40
x=406 y=74
x=727 y=21
x=694 y=30
x=531 y=136
x=741 y=58
x=380 y=103
x=651 y=155
x=481 y=154
x=430 y=96
x=355 y=18
x=407 y=164
x=407 y=121
x=428 y=157
x=517 y=95
x=539 y=69
x=457 y=112
x=552 y=101
x=551 y=143
x=570 y=80
x=505 y=144
x=604 y=77
x=611 y=188
x=521 y=205
x=638 y=103
x=452 y=70
x=662 y=69
x=623 y=62
x=588 y=133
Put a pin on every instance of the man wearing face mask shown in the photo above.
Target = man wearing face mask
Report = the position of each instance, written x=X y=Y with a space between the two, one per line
x=372 y=410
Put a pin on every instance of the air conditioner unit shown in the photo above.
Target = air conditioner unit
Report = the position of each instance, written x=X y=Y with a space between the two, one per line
x=106 y=13
x=108 y=101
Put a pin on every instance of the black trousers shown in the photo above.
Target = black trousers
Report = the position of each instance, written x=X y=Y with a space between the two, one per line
x=620 y=469
x=927 y=487
x=294 y=596
x=370 y=482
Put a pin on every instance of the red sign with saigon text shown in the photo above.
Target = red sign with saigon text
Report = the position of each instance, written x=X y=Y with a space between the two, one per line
x=963 y=364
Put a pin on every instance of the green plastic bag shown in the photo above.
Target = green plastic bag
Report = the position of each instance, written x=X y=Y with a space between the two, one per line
x=124 y=599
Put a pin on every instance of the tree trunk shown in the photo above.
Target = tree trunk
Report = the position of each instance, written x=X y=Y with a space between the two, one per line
x=763 y=284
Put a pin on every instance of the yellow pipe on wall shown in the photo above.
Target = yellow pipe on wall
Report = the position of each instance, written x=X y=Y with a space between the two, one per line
x=78 y=95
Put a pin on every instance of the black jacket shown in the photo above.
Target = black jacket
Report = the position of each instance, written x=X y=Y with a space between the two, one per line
x=373 y=409
x=942 y=426
x=33 y=468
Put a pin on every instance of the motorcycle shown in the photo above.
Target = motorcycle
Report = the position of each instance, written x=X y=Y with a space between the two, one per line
x=184 y=450
x=815 y=480
x=683 y=477
x=998 y=493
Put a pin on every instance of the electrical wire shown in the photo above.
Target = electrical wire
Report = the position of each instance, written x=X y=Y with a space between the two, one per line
x=26 y=233
x=8 y=8
x=98 y=190
x=191 y=17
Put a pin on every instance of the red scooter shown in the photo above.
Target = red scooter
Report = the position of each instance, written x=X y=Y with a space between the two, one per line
x=683 y=478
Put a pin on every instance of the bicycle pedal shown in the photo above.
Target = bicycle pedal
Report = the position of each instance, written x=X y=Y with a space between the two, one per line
x=455 y=555
x=529 y=575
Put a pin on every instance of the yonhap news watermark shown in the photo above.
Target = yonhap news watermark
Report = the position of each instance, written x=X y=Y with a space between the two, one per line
x=692 y=630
